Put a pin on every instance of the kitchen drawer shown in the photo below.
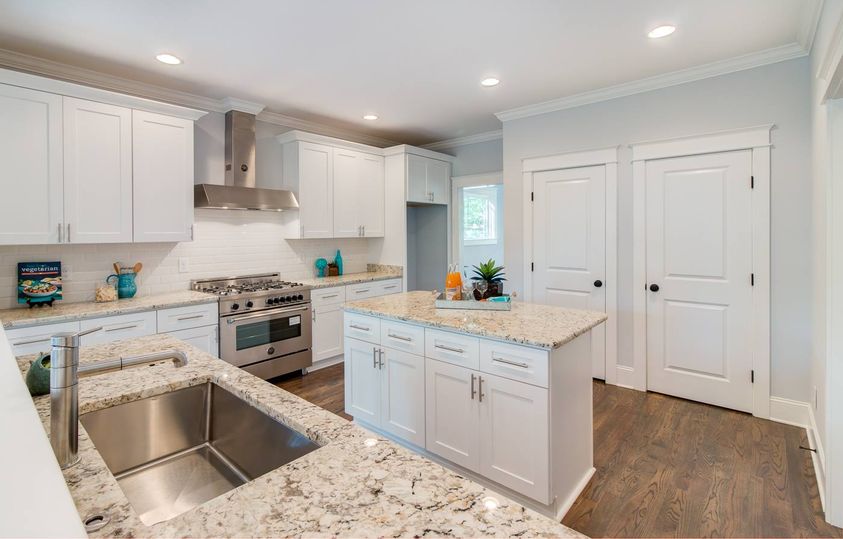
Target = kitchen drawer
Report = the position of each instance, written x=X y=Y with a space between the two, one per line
x=515 y=362
x=363 y=291
x=327 y=296
x=204 y=338
x=37 y=338
x=192 y=316
x=392 y=286
x=122 y=326
x=452 y=348
x=362 y=327
x=401 y=336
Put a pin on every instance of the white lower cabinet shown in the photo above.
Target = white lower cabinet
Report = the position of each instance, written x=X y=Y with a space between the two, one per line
x=121 y=326
x=451 y=414
x=36 y=339
x=327 y=332
x=385 y=388
x=205 y=338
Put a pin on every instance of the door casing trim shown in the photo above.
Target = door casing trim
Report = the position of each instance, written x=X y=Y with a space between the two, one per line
x=756 y=139
x=607 y=157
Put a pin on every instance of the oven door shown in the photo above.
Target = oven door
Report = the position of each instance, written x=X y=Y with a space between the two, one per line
x=254 y=337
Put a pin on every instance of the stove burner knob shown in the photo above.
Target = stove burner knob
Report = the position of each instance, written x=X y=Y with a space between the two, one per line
x=300 y=297
x=269 y=301
x=291 y=298
x=234 y=306
x=273 y=300
x=249 y=304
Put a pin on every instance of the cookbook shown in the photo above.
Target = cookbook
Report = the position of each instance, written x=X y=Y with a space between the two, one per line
x=39 y=282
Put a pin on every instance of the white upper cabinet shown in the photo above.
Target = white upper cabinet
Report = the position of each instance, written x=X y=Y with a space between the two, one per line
x=428 y=180
x=97 y=172
x=340 y=189
x=31 y=197
x=163 y=177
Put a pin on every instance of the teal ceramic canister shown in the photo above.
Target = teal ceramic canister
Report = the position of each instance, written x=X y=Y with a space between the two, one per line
x=126 y=287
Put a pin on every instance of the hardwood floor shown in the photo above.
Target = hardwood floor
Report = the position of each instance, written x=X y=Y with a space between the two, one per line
x=668 y=467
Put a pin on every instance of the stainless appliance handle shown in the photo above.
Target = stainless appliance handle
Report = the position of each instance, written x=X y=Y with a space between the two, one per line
x=510 y=362
x=399 y=337
x=269 y=312
x=449 y=349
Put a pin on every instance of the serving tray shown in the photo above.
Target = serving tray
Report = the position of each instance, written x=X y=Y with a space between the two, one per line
x=468 y=304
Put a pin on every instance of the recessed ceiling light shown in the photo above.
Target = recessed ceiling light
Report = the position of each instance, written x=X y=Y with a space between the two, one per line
x=168 y=59
x=661 y=31
x=370 y=117
x=491 y=81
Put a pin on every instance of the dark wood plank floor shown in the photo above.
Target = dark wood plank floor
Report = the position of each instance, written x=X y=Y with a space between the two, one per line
x=668 y=467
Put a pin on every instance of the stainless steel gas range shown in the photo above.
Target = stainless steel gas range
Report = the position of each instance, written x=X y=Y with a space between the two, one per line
x=265 y=323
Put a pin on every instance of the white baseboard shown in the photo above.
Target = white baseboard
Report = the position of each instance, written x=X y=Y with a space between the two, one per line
x=625 y=376
x=322 y=363
x=801 y=414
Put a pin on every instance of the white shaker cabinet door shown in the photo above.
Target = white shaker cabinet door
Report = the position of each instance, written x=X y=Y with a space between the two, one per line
x=31 y=193
x=451 y=413
x=163 y=177
x=402 y=395
x=438 y=181
x=327 y=331
x=205 y=338
x=362 y=381
x=417 y=179
x=316 y=187
x=514 y=435
x=97 y=172
x=372 y=195
x=347 y=210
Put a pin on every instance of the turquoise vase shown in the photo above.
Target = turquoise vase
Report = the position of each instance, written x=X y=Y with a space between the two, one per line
x=339 y=262
x=126 y=286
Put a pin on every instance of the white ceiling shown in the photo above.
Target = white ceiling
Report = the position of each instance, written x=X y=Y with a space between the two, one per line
x=416 y=64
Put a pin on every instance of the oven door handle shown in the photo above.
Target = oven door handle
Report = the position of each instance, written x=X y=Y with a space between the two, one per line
x=270 y=312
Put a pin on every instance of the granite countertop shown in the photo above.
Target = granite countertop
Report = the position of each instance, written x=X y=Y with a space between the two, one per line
x=375 y=272
x=348 y=487
x=69 y=312
x=532 y=324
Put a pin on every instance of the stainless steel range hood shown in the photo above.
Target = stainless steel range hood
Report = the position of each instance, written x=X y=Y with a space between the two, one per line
x=239 y=191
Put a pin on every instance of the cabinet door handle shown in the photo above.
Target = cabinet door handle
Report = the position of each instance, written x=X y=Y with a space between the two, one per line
x=449 y=349
x=192 y=317
x=510 y=362
x=473 y=392
x=380 y=358
x=68 y=232
x=374 y=358
x=399 y=337
x=61 y=235
x=120 y=328
x=361 y=328
x=480 y=388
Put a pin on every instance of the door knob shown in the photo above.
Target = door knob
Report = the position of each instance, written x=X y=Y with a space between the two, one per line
x=598 y=283
x=654 y=288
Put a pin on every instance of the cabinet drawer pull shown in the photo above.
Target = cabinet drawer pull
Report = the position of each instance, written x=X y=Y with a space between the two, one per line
x=194 y=317
x=361 y=291
x=361 y=328
x=449 y=349
x=510 y=362
x=32 y=341
x=120 y=328
x=390 y=286
x=330 y=296
x=399 y=337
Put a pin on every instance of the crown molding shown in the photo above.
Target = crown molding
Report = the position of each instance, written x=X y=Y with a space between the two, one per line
x=88 y=77
x=808 y=29
x=464 y=141
x=403 y=149
x=714 y=69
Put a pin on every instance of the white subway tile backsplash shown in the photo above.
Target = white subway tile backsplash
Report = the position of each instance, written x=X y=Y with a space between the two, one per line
x=225 y=243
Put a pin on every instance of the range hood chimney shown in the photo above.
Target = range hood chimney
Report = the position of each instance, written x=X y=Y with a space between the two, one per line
x=239 y=191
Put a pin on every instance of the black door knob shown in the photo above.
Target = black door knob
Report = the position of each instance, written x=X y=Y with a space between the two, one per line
x=654 y=288
x=598 y=283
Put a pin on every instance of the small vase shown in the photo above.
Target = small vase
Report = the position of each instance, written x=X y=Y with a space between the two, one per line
x=338 y=261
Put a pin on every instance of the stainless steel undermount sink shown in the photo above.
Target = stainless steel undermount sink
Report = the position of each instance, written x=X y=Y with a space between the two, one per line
x=173 y=452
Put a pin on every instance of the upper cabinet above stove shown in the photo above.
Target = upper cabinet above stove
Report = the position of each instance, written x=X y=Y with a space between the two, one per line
x=83 y=165
x=339 y=186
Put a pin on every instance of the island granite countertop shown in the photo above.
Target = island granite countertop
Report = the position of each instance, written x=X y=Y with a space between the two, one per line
x=543 y=326
x=70 y=312
x=357 y=484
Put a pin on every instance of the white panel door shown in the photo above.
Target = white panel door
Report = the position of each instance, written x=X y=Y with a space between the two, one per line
x=569 y=245
x=438 y=180
x=362 y=381
x=699 y=262
x=162 y=165
x=372 y=195
x=402 y=395
x=347 y=167
x=316 y=212
x=451 y=413
x=31 y=197
x=327 y=331
x=514 y=435
x=97 y=172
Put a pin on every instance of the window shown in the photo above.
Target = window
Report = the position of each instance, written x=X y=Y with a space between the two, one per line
x=480 y=215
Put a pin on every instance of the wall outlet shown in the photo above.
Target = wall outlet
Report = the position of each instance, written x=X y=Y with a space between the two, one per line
x=184 y=264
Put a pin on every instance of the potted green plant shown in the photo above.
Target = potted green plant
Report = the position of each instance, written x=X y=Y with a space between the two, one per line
x=493 y=277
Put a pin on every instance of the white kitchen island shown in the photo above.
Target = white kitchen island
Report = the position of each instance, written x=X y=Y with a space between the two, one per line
x=502 y=397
